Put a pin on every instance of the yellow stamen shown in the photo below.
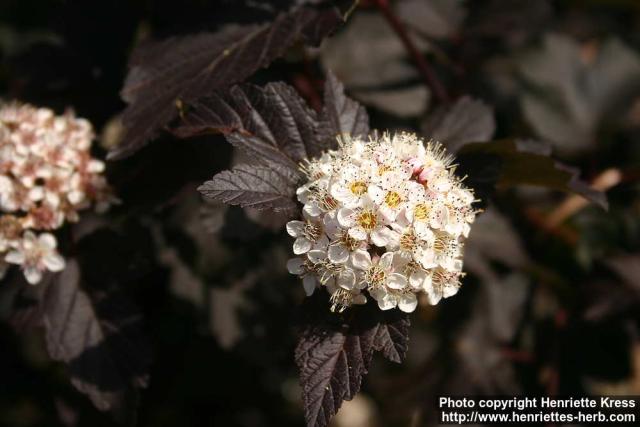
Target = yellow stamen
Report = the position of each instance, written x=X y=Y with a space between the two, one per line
x=392 y=199
x=358 y=188
x=367 y=219
x=421 y=212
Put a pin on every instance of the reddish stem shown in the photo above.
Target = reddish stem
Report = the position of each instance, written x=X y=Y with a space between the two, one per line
x=306 y=87
x=428 y=75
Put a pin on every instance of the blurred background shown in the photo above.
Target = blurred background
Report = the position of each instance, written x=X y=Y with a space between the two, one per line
x=551 y=302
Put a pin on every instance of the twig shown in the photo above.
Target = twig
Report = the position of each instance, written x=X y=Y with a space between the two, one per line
x=428 y=75
x=574 y=203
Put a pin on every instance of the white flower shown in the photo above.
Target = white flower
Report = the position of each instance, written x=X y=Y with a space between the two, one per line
x=309 y=235
x=441 y=284
x=305 y=269
x=351 y=184
x=330 y=273
x=377 y=272
x=342 y=244
x=342 y=298
x=387 y=299
x=8 y=202
x=395 y=192
x=365 y=222
x=316 y=198
x=36 y=255
x=384 y=216
x=413 y=243
x=47 y=175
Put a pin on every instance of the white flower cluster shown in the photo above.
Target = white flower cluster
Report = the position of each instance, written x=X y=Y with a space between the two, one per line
x=47 y=175
x=385 y=215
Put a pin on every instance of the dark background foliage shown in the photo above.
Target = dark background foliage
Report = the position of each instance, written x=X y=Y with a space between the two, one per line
x=186 y=313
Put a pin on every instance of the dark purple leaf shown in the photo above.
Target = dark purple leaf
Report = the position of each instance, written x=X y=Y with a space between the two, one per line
x=273 y=125
x=506 y=163
x=252 y=186
x=340 y=115
x=165 y=75
x=277 y=130
x=392 y=335
x=22 y=302
x=468 y=120
x=334 y=353
x=627 y=267
x=97 y=333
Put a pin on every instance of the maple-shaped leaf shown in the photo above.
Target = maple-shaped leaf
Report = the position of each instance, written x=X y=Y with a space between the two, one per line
x=177 y=71
x=272 y=125
x=391 y=336
x=252 y=186
x=509 y=162
x=334 y=353
x=340 y=115
x=276 y=129
x=97 y=333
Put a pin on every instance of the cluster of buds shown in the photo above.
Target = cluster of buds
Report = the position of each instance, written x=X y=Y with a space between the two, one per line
x=47 y=175
x=385 y=217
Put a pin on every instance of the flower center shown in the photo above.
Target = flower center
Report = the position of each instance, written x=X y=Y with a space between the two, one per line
x=340 y=300
x=10 y=227
x=358 y=188
x=421 y=212
x=312 y=231
x=411 y=268
x=324 y=199
x=440 y=278
x=408 y=241
x=383 y=168
x=367 y=220
x=392 y=199
x=375 y=277
x=344 y=239
x=329 y=203
x=445 y=245
x=440 y=243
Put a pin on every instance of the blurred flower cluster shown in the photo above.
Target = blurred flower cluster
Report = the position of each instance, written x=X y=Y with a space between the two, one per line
x=47 y=175
x=387 y=216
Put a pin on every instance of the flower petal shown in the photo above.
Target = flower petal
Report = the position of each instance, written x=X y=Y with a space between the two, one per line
x=316 y=256
x=380 y=236
x=359 y=299
x=338 y=254
x=408 y=302
x=396 y=281
x=346 y=279
x=433 y=296
x=376 y=193
x=387 y=302
x=301 y=245
x=309 y=284
x=449 y=290
x=15 y=257
x=417 y=279
x=295 y=228
x=47 y=240
x=54 y=262
x=294 y=266
x=386 y=260
x=33 y=275
x=312 y=209
x=346 y=217
x=358 y=233
x=361 y=259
